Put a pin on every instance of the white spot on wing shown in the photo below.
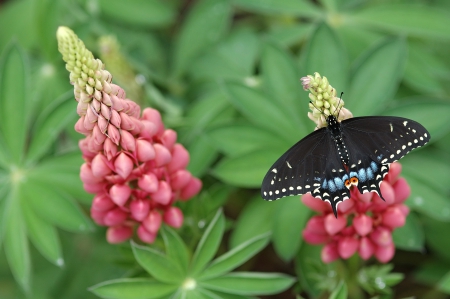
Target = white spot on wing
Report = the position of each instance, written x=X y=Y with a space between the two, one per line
x=289 y=165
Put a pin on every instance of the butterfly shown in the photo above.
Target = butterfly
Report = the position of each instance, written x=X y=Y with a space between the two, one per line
x=354 y=152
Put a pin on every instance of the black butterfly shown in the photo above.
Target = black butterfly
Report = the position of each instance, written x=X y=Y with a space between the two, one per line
x=354 y=152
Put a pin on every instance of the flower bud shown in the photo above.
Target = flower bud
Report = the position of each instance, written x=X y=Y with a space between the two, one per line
x=329 y=253
x=173 y=217
x=144 y=150
x=192 y=189
x=180 y=158
x=385 y=253
x=152 y=222
x=168 y=138
x=100 y=166
x=362 y=224
x=347 y=246
x=145 y=236
x=123 y=165
x=102 y=202
x=139 y=209
x=393 y=217
x=381 y=236
x=115 y=217
x=164 y=193
x=334 y=225
x=162 y=155
x=366 y=248
x=127 y=141
x=118 y=234
x=120 y=194
x=402 y=190
x=110 y=149
x=180 y=179
x=148 y=182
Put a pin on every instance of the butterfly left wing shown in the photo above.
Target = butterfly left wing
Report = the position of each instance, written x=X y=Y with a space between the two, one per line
x=374 y=142
x=310 y=166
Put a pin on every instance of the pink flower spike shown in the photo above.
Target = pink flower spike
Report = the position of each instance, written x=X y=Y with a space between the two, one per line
x=145 y=235
x=126 y=122
x=152 y=222
x=113 y=134
x=100 y=166
x=173 y=217
x=123 y=165
x=381 y=236
x=362 y=224
x=192 y=189
x=148 y=182
x=314 y=238
x=87 y=176
x=316 y=225
x=402 y=190
x=139 y=209
x=164 y=193
x=144 y=150
x=155 y=117
x=120 y=194
x=168 y=138
x=329 y=253
x=180 y=179
x=110 y=149
x=315 y=204
x=102 y=202
x=393 y=217
x=334 y=225
x=118 y=234
x=98 y=216
x=127 y=141
x=347 y=246
x=385 y=253
x=94 y=188
x=366 y=248
x=388 y=192
x=180 y=158
x=162 y=155
x=79 y=126
x=115 y=217
x=98 y=136
x=148 y=129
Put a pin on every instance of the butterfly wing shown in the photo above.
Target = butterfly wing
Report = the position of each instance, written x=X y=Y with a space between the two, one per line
x=374 y=142
x=313 y=166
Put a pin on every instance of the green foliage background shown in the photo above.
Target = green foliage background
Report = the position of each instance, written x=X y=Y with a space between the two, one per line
x=225 y=75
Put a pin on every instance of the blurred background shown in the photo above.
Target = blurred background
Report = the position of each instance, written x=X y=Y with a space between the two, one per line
x=225 y=75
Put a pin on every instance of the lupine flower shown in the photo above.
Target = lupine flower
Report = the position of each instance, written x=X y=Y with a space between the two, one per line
x=133 y=164
x=365 y=222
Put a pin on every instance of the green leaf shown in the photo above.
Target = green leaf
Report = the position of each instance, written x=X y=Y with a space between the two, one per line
x=55 y=206
x=49 y=125
x=410 y=236
x=176 y=250
x=235 y=257
x=13 y=101
x=340 y=292
x=284 y=7
x=247 y=170
x=280 y=77
x=255 y=219
x=307 y=267
x=289 y=220
x=227 y=60
x=249 y=283
x=132 y=288
x=436 y=237
x=326 y=55
x=63 y=173
x=206 y=23
x=261 y=110
x=431 y=113
x=157 y=264
x=290 y=34
x=368 y=93
x=427 y=200
x=411 y=19
x=146 y=13
x=444 y=284
x=208 y=245
x=15 y=241
x=43 y=235
x=240 y=138
x=221 y=295
x=202 y=155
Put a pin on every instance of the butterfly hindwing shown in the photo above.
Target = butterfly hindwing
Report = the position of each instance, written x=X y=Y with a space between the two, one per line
x=374 y=142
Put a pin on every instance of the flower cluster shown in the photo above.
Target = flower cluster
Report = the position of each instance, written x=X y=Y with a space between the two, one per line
x=323 y=100
x=133 y=164
x=364 y=224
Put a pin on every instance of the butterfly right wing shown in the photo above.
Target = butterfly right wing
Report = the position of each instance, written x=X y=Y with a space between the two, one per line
x=313 y=166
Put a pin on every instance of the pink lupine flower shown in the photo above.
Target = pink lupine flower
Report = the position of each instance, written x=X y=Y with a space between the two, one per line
x=133 y=164
x=365 y=222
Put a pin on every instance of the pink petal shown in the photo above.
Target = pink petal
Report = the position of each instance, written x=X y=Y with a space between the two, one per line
x=110 y=149
x=366 y=248
x=123 y=165
x=148 y=182
x=118 y=234
x=113 y=134
x=127 y=141
x=180 y=179
x=329 y=253
x=347 y=246
x=145 y=235
x=388 y=192
x=315 y=204
x=162 y=155
x=362 y=224
x=98 y=136
x=87 y=176
x=120 y=194
x=164 y=193
x=152 y=222
x=100 y=166
x=402 y=190
x=393 y=217
x=144 y=150
x=102 y=202
x=168 y=138
x=115 y=217
x=180 y=158
x=193 y=188
x=126 y=122
x=139 y=209
x=385 y=253
x=381 y=236
x=334 y=225
x=148 y=129
x=173 y=217
x=155 y=117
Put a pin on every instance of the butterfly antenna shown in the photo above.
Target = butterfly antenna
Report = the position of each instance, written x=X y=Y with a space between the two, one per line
x=340 y=99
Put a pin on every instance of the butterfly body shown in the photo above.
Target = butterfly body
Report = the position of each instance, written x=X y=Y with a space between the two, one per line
x=355 y=152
